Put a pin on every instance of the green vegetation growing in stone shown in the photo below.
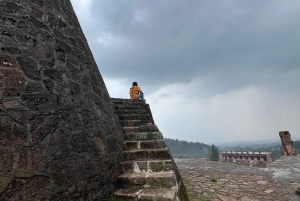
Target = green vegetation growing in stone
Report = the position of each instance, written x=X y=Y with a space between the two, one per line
x=12 y=19
x=201 y=198
x=187 y=191
x=95 y=89
x=197 y=197
x=184 y=149
x=214 y=153
x=61 y=45
x=214 y=180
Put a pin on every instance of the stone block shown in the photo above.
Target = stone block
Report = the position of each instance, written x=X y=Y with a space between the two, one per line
x=8 y=62
x=31 y=159
x=7 y=161
x=42 y=126
x=147 y=144
x=11 y=133
x=14 y=82
x=156 y=166
x=30 y=68
x=4 y=181
x=12 y=104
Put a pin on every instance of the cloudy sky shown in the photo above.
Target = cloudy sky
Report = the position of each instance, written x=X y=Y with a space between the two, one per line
x=212 y=71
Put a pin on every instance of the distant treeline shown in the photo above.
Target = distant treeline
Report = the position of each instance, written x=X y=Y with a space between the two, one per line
x=184 y=149
x=181 y=148
x=296 y=145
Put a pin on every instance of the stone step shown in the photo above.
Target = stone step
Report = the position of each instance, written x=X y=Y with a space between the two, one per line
x=124 y=112
x=147 y=166
x=140 y=129
x=148 y=180
x=133 y=116
x=130 y=104
x=122 y=100
x=161 y=194
x=139 y=154
x=150 y=144
x=134 y=123
x=134 y=107
x=143 y=136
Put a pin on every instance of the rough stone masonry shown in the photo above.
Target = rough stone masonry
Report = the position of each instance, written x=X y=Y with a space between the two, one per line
x=287 y=144
x=60 y=138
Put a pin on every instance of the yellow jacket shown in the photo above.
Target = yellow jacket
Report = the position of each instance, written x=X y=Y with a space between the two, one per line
x=134 y=92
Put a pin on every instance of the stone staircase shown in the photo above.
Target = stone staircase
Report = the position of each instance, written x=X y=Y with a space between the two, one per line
x=149 y=171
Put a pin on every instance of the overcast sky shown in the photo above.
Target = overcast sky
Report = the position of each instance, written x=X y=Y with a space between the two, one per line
x=212 y=71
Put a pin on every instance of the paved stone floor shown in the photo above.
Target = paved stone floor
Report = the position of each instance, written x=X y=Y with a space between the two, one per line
x=212 y=181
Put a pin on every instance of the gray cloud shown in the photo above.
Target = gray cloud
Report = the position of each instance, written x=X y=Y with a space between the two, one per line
x=174 y=41
x=212 y=51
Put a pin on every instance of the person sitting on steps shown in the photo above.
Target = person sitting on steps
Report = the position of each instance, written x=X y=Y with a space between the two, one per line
x=135 y=92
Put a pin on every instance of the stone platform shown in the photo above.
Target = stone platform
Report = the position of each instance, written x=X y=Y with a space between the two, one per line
x=240 y=183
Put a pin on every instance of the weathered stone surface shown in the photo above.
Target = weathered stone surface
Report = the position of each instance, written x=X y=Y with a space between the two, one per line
x=36 y=188
x=6 y=158
x=12 y=80
x=60 y=137
x=12 y=104
x=297 y=191
x=31 y=159
x=287 y=144
x=11 y=133
x=240 y=182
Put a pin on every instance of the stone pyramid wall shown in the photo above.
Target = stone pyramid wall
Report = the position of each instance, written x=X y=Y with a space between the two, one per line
x=59 y=135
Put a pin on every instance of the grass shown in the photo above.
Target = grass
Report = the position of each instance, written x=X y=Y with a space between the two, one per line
x=214 y=180
x=198 y=197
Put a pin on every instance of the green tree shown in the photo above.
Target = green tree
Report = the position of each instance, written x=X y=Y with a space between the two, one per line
x=214 y=153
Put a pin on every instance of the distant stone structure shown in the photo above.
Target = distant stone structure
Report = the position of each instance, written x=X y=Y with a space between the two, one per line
x=255 y=159
x=60 y=137
x=287 y=144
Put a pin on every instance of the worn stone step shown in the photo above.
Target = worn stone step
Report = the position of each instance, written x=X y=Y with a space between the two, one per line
x=133 y=123
x=140 y=129
x=129 y=101
x=122 y=100
x=130 y=104
x=161 y=194
x=147 y=166
x=143 y=136
x=148 y=180
x=161 y=154
x=134 y=107
x=124 y=112
x=128 y=117
x=150 y=144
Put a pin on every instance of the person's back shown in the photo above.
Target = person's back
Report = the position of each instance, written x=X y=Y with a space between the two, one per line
x=135 y=92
